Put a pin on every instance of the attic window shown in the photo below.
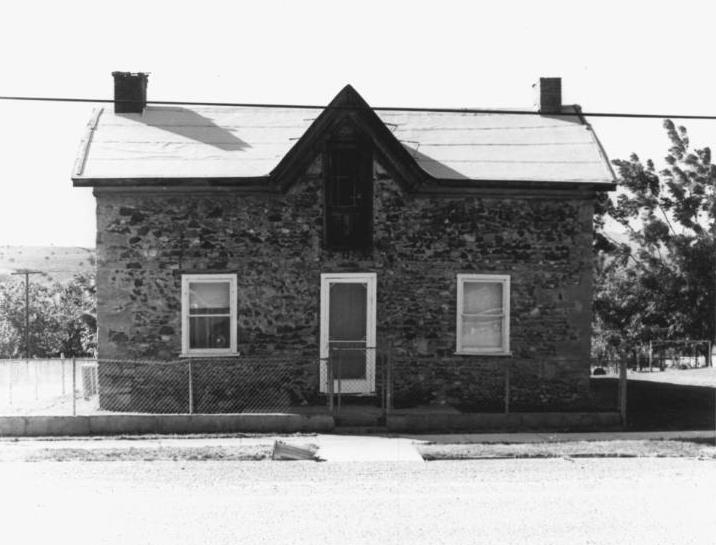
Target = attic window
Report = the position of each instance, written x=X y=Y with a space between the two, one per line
x=348 y=197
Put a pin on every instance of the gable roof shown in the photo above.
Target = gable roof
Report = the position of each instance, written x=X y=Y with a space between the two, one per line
x=252 y=144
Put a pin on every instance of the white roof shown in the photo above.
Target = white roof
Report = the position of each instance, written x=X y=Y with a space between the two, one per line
x=237 y=142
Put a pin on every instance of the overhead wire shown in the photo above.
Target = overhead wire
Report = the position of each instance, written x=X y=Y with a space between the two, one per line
x=576 y=112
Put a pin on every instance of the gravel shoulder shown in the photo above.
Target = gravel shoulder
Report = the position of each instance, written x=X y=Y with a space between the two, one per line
x=358 y=448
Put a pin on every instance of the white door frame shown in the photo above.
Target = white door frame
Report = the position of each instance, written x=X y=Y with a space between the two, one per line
x=349 y=386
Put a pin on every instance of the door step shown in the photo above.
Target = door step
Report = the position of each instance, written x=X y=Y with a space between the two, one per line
x=360 y=430
x=359 y=420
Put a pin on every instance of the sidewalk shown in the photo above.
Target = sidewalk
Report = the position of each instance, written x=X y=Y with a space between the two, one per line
x=332 y=448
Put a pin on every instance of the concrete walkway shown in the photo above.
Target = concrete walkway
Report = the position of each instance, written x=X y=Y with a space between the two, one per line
x=351 y=448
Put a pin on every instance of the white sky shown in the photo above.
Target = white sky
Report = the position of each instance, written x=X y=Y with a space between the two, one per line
x=612 y=56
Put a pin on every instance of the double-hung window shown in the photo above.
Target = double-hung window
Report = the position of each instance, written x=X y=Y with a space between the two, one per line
x=483 y=314
x=208 y=314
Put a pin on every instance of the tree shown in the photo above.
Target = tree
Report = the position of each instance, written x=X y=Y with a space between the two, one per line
x=662 y=283
x=60 y=318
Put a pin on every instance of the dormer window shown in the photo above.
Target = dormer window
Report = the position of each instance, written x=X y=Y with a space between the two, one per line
x=348 y=196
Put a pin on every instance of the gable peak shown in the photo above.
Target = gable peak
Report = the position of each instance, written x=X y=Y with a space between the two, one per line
x=348 y=96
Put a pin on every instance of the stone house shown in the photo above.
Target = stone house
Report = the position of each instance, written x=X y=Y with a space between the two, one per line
x=231 y=235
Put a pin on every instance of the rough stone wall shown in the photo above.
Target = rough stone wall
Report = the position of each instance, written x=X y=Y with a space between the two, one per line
x=273 y=242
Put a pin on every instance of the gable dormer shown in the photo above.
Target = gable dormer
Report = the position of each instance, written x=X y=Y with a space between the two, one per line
x=348 y=116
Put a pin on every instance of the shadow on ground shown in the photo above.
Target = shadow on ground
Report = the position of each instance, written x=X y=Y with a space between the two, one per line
x=660 y=406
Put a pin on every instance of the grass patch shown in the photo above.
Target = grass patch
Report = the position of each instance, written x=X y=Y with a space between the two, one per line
x=242 y=453
x=575 y=449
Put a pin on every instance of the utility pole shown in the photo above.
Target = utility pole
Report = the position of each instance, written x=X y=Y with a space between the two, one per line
x=27 y=273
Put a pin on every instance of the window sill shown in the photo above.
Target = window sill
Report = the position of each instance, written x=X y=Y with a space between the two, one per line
x=212 y=355
x=502 y=354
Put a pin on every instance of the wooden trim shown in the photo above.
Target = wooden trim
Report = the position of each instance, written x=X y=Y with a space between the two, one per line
x=216 y=355
x=256 y=182
x=186 y=279
x=205 y=272
x=79 y=165
x=600 y=148
x=184 y=191
x=504 y=279
x=424 y=190
x=507 y=192
x=370 y=280
x=470 y=183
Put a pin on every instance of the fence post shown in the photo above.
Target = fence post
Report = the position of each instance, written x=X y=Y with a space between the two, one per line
x=389 y=380
x=340 y=379
x=37 y=378
x=74 y=386
x=62 y=359
x=191 y=388
x=9 y=380
x=507 y=387
x=329 y=379
x=623 y=391
x=650 y=357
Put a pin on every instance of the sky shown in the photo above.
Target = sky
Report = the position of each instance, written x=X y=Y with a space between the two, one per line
x=612 y=56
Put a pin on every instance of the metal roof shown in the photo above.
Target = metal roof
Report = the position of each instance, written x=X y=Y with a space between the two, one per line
x=243 y=142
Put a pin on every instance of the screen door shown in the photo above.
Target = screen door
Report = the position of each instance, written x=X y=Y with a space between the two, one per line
x=348 y=331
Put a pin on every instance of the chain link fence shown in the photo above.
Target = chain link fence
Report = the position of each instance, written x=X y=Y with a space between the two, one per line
x=348 y=377
x=61 y=386
x=248 y=384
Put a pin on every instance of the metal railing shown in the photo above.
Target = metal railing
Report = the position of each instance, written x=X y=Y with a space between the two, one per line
x=357 y=375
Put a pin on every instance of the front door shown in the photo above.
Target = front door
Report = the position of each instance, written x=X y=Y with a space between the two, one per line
x=348 y=332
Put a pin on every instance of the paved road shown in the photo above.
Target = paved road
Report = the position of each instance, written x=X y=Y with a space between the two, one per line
x=590 y=501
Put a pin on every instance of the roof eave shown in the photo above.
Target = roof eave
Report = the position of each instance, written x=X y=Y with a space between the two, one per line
x=596 y=185
x=224 y=181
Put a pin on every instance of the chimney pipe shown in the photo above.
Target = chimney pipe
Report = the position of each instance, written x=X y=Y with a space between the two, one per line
x=548 y=95
x=130 y=92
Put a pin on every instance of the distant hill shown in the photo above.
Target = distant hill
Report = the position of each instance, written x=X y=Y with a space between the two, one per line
x=58 y=263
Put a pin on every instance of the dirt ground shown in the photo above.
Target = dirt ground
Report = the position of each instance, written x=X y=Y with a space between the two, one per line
x=672 y=400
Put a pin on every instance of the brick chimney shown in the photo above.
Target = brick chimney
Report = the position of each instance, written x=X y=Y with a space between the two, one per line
x=130 y=92
x=548 y=95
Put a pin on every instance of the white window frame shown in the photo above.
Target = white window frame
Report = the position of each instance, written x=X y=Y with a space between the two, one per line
x=503 y=279
x=186 y=279
x=349 y=386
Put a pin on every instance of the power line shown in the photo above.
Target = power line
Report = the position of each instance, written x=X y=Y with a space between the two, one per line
x=577 y=112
